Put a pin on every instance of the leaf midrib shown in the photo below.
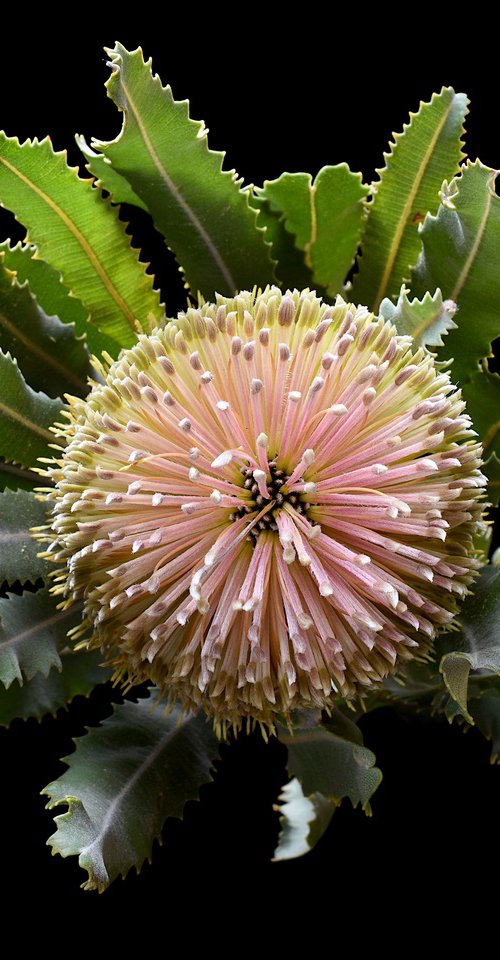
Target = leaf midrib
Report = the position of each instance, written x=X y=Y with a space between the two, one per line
x=174 y=190
x=39 y=352
x=81 y=240
x=36 y=628
x=407 y=208
x=28 y=424
x=148 y=761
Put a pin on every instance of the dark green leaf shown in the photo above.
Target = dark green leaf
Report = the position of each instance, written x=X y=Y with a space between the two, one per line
x=291 y=268
x=426 y=320
x=53 y=297
x=477 y=646
x=124 y=779
x=25 y=416
x=18 y=550
x=485 y=711
x=427 y=152
x=460 y=255
x=32 y=634
x=79 y=674
x=16 y=478
x=325 y=217
x=80 y=235
x=328 y=763
x=200 y=209
x=50 y=356
x=482 y=395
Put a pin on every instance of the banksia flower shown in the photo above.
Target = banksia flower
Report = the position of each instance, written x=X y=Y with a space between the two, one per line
x=266 y=504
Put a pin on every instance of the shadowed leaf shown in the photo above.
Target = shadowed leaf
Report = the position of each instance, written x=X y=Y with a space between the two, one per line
x=25 y=416
x=124 y=779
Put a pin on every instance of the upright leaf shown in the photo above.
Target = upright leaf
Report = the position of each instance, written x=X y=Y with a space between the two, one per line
x=325 y=217
x=52 y=296
x=427 y=152
x=25 y=416
x=124 y=779
x=32 y=634
x=426 y=320
x=80 y=235
x=50 y=356
x=460 y=255
x=203 y=214
x=327 y=763
x=19 y=558
x=79 y=673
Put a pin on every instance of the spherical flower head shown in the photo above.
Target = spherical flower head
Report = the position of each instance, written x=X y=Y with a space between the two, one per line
x=267 y=504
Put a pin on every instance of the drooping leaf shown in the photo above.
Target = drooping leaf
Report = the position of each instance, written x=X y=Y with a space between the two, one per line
x=52 y=296
x=200 y=209
x=426 y=320
x=16 y=478
x=460 y=255
x=303 y=820
x=80 y=672
x=327 y=763
x=291 y=268
x=25 y=416
x=124 y=779
x=325 y=217
x=18 y=550
x=477 y=646
x=32 y=634
x=427 y=152
x=80 y=235
x=50 y=356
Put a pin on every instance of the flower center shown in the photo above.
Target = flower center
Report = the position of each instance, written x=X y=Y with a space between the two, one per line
x=268 y=489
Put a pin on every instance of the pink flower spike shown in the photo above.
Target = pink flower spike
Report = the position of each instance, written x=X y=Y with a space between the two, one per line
x=269 y=503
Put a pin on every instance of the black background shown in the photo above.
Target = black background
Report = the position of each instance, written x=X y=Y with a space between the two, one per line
x=277 y=94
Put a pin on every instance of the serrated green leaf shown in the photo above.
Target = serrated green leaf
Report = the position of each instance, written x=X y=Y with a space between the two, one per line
x=427 y=152
x=32 y=634
x=80 y=235
x=107 y=177
x=52 y=296
x=477 y=646
x=460 y=255
x=18 y=550
x=124 y=779
x=200 y=209
x=426 y=320
x=327 y=763
x=50 y=356
x=291 y=268
x=25 y=416
x=80 y=672
x=325 y=217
